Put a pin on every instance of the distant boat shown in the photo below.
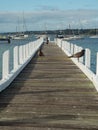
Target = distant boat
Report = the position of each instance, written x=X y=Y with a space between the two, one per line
x=5 y=40
x=96 y=34
x=19 y=36
x=71 y=35
x=60 y=36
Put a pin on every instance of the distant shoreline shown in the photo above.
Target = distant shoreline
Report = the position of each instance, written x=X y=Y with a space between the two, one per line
x=63 y=31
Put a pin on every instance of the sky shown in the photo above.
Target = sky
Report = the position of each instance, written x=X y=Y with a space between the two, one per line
x=31 y=15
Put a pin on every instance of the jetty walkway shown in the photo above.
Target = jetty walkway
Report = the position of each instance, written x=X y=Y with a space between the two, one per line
x=51 y=93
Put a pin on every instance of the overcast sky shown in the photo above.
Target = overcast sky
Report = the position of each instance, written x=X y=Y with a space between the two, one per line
x=47 y=14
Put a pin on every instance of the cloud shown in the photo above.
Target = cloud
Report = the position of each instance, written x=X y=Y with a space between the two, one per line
x=49 y=19
x=45 y=8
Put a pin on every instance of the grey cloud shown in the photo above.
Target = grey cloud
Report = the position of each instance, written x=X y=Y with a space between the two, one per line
x=53 y=19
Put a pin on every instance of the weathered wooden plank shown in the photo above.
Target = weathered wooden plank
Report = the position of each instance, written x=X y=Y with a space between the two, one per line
x=51 y=93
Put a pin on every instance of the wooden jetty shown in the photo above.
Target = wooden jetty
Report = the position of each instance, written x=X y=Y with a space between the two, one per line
x=51 y=93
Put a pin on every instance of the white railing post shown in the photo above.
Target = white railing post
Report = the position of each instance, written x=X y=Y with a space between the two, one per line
x=5 y=64
x=87 y=58
x=20 y=55
x=15 y=65
x=72 y=48
x=26 y=50
x=29 y=49
x=97 y=65
x=24 y=54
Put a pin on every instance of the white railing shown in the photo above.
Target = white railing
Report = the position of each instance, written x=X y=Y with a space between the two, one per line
x=84 y=63
x=21 y=56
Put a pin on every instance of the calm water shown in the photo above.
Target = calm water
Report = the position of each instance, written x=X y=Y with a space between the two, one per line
x=92 y=44
x=6 y=46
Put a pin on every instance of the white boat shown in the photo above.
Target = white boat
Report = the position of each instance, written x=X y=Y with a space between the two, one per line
x=60 y=36
x=19 y=36
x=94 y=36
x=75 y=37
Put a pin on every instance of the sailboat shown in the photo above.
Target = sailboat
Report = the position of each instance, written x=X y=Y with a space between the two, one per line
x=20 y=35
x=96 y=34
x=5 y=39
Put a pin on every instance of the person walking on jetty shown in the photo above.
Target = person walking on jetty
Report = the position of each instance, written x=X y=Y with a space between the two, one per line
x=47 y=40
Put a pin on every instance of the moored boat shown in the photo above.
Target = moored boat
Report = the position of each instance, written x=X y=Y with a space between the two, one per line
x=19 y=36
x=5 y=40
x=94 y=36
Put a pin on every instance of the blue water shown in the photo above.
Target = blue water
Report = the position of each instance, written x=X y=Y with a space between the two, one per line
x=92 y=44
x=7 y=46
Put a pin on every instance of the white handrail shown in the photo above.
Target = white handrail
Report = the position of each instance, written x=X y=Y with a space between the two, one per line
x=5 y=64
x=97 y=65
x=15 y=59
x=87 y=58
x=21 y=56
x=69 y=49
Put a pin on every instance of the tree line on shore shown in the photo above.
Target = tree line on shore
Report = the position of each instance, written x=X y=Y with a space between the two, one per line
x=63 y=32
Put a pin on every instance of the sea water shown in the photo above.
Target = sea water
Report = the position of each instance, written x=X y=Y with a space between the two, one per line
x=7 y=46
x=92 y=44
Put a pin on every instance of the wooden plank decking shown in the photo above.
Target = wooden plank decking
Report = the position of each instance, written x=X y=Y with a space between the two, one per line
x=51 y=93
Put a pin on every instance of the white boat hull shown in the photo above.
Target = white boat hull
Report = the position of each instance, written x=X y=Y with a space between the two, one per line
x=17 y=37
x=95 y=36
